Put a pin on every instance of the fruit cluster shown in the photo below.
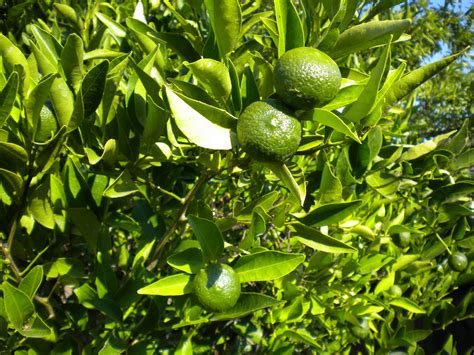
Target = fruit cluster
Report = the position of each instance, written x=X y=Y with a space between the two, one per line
x=304 y=78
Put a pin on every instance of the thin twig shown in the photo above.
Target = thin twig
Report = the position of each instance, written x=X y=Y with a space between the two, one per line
x=178 y=218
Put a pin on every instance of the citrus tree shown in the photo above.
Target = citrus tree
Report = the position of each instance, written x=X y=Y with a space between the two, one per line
x=226 y=176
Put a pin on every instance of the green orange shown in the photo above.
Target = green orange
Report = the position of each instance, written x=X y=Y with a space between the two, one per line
x=268 y=132
x=458 y=261
x=305 y=77
x=217 y=287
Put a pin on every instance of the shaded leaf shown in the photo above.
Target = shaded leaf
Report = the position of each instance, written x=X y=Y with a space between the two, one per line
x=330 y=213
x=7 y=97
x=247 y=304
x=209 y=237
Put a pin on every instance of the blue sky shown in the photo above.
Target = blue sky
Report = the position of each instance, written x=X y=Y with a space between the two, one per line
x=465 y=4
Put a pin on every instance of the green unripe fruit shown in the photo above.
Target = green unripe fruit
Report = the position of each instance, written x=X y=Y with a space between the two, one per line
x=305 y=78
x=402 y=239
x=217 y=287
x=458 y=261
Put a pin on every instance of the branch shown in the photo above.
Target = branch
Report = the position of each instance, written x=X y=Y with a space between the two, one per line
x=178 y=218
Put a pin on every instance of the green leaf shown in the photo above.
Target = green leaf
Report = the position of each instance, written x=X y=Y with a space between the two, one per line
x=35 y=328
x=40 y=206
x=189 y=260
x=8 y=96
x=13 y=152
x=19 y=307
x=48 y=45
x=86 y=221
x=226 y=21
x=122 y=186
x=344 y=97
x=248 y=303
x=93 y=87
x=290 y=28
x=87 y=297
x=367 y=98
x=332 y=120
x=174 y=285
x=330 y=213
x=31 y=282
x=209 y=237
x=424 y=148
x=302 y=336
x=176 y=42
x=385 y=184
x=407 y=304
x=285 y=175
x=213 y=76
x=330 y=189
x=72 y=57
x=114 y=27
x=14 y=180
x=13 y=58
x=36 y=100
x=417 y=77
x=368 y=35
x=266 y=265
x=197 y=128
x=64 y=266
x=372 y=263
x=70 y=15
x=319 y=241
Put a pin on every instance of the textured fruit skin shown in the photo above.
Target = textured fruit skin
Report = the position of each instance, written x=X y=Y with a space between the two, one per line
x=305 y=78
x=217 y=287
x=458 y=261
x=268 y=132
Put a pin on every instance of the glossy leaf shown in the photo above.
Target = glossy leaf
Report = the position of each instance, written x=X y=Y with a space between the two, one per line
x=417 y=77
x=14 y=180
x=197 y=128
x=174 y=285
x=285 y=175
x=226 y=20
x=93 y=87
x=212 y=75
x=19 y=306
x=290 y=28
x=7 y=97
x=209 y=237
x=319 y=241
x=40 y=206
x=189 y=260
x=32 y=281
x=367 y=98
x=13 y=58
x=424 y=148
x=407 y=304
x=248 y=303
x=72 y=57
x=368 y=35
x=36 y=100
x=266 y=265
x=332 y=120
x=330 y=213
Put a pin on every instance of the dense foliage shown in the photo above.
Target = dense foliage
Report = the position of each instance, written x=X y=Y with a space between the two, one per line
x=121 y=178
